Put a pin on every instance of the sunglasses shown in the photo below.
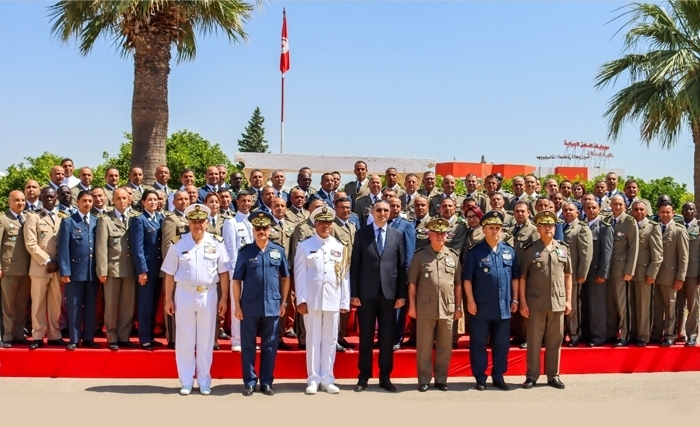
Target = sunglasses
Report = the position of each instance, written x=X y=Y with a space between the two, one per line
x=260 y=228
x=381 y=210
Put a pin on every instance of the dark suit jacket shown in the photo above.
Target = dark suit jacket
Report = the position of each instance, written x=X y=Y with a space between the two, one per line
x=363 y=208
x=369 y=271
x=409 y=237
x=203 y=193
x=76 y=248
x=602 y=250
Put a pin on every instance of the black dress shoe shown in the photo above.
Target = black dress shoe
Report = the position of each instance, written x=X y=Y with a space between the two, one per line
x=290 y=334
x=284 y=346
x=455 y=346
x=360 y=386
x=90 y=344
x=248 y=391
x=155 y=343
x=216 y=346
x=666 y=343
x=71 y=346
x=65 y=333
x=113 y=346
x=171 y=345
x=387 y=385
x=301 y=346
x=480 y=386
x=556 y=383
x=501 y=385
x=36 y=344
x=423 y=388
x=223 y=335
x=147 y=347
x=528 y=384
x=58 y=343
x=127 y=344
x=573 y=343
x=409 y=343
x=339 y=348
x=345 y=343
x=7 y=344
x=691 y=342
x=21 y=342
x=680 y=339
x=441 y=386
x=267 y=390
x=621 y=343
x=595 y=344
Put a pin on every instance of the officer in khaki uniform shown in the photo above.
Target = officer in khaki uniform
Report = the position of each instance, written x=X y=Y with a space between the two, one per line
x=671 y=276
x=578 y=237
x=281 y=233
x=14 y=271
x=448 y=191
x=115 y=269
x=174 y=224
x=343 y=230
x=545 y=297
x=296 y=212
x=435 y=301
x=622 y=266
x=688 y=296
x=648 y=264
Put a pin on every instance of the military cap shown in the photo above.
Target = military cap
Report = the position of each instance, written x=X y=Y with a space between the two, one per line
x=261 y=219
x=545 y=217
x=439 y=225
x=492 y=218
x=323 y=214
x=197 y=211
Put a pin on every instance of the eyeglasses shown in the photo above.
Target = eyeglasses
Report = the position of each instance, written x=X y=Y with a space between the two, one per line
x=471 y=216
x=381 y=210
x=260 y=228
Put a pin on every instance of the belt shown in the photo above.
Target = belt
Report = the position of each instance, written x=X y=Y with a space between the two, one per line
x=194 y=287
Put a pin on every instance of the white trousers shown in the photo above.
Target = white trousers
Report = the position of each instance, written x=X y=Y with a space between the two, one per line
x=235 y=323
x=321 y=338
x=195 y=316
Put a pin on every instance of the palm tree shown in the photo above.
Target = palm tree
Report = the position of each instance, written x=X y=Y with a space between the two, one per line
x=662 y=61
x=149 y=30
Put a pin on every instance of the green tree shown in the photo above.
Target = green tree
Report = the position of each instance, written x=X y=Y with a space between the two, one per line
x=149 y=30
x=253 y=140
x=661 y=61
x=36 y=168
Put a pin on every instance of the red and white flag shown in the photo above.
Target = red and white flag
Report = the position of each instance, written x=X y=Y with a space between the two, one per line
x=284 y=58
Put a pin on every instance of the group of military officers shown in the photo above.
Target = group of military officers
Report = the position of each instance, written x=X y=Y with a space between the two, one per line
x=634 y=276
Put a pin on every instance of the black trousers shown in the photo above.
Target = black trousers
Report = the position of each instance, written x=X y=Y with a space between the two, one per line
x=380 y=310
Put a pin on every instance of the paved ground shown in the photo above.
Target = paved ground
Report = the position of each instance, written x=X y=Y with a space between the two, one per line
x=602 y=399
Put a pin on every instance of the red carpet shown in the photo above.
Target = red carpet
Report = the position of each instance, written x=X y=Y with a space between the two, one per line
x=126 y=363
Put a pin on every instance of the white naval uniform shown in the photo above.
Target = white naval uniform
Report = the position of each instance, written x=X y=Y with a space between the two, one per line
x=196 y=269
x=237 y=232
x=317 y=285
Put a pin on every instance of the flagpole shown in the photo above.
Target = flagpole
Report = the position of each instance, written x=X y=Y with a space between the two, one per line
x=284 y=66
x=282 y=120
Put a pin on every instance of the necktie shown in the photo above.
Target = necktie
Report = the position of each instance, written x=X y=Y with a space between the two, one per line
x=281 y=223
x=213 y=222
x=614 y=221
x=86 y=220
x=609 y=194
x=517 y=229
x=687 y=225
x=663 y=229
x=408 y=199
x=566 y=226
x=359 y=185
x=380 y=241
x=20 y=219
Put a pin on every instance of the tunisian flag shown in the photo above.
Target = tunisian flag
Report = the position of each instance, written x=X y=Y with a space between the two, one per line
x=284 y=58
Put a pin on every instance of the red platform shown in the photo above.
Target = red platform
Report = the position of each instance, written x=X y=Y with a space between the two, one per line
x=134 y=363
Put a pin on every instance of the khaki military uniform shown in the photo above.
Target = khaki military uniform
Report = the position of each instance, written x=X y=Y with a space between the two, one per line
x=113 y=259
x=363 y=207
x=301 y=232
x=295 y=216
x=579 y=239
x=646 y=203
x=482 y=202
x=436 y=200
x=218 y=225
x=407 y=206
x=138 y=194
x=15 y=284
x=421 y=232
x=353 y=192
x=436 y=276
x=109 y=194
x=520 y=239
x=346 y=234
x=674 y=266
x=41 y=241
x=687 y=296
x=545 y=270
x=174 y=224
x=624 y=261
x=281 y=233
x=648 y=264
x=75 y=191
x=434 y=192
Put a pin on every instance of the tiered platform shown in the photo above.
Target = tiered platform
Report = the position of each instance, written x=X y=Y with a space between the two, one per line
x=56 y=362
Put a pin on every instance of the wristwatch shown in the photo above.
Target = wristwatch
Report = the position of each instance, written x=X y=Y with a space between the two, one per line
x=515 y=301
x=284 y=304
x=458 y=309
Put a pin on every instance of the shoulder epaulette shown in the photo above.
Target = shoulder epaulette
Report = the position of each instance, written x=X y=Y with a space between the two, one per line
x=227 y=215
x=454 y=251
x=629 y=218
x=175 y=239
x=527 y=245
x=583 y=223
x=134 y=213
x=421 y=248
x=167 y=213
x=307 y=237
x=62 y=215
x=461 y=220
x=509 y=212
x=505 y=242
x=654 y=222
x=606 y=224
x=100 y=215
x=243 y=246
x=218 y=238
x=563 y=243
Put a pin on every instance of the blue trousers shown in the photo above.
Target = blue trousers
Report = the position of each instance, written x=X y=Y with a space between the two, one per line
x=479 y=331
x=147 y=304
x=250 y=325
x=81 y=304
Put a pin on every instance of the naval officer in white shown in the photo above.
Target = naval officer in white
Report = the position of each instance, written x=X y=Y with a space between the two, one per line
x=195 y=262
x=321 y=277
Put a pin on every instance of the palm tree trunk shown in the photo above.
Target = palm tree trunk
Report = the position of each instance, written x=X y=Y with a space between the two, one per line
x=149 y=108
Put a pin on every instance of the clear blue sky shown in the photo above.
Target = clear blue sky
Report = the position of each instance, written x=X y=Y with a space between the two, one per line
x=509 y=80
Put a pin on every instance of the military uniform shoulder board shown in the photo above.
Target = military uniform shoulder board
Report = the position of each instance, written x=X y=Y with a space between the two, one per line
x=563 y=243
x=218 y=238
x=167 y=213
x=630 y=218
x=583 y=223
x=655 y=223
x=453 y=251
x=100 y=215
x=175 y=239
x=505 y=242
x=472 y=246
x=509 y=212
x=307 y=237
x=527 y=245
x=362 y=197
x=134 y=213
x=339 y=241
x=227 y=215
x=461 y=220
x=243 y=246
x=421 y=248
x=62 y=215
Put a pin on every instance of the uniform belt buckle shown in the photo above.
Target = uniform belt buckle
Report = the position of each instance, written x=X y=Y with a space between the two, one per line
x=199 y=289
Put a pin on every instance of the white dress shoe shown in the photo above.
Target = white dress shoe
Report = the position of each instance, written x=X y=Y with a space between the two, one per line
x=311 y=389
x=330 y=388
x=236 y=348
x=204 y=390
x=186 y=390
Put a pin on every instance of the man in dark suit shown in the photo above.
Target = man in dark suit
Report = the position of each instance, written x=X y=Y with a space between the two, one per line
x=363 y=205
x=76 y=266
x=377 y=288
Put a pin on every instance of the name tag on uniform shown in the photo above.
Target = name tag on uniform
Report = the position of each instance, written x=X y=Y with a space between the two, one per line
x=209 y=249
x=336 y=254
x=507 y=256
x=252 y=259
x=450 y=262
x=620 y=234
x=561 y=252
x=275 y=254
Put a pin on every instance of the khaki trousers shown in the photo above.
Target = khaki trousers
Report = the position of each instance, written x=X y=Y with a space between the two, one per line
x=664 y=326
x=573 y=319
x=47 y=297
x=619 y=312
x=120 y=300
x=429 y=331
x=547 y=325
x=15 y=294
x=643 y=309
x=688 y=297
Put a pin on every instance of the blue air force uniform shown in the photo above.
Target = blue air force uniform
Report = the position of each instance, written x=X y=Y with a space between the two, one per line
x=76 y=259
x=490 y=272
x=260 y=301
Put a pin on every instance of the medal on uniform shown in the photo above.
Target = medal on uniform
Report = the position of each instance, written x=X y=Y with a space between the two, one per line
x=13 y=238
x=449 y=262
x=42 y=234
x=116 y=239
x=12 y=226
x=275 y=254
x=427 y=274
x=335 y=254
x=507 y=256
x=539 y=264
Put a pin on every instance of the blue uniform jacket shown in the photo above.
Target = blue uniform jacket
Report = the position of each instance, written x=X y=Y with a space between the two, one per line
x=409 y=237
x=491 y=274
x=76 y=248
x=203 y=193
x=145 y=234
x=326 y=198
x=260 y=272
x=355 y=220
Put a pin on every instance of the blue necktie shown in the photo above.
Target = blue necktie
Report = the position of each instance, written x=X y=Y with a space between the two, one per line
x=380 y=241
